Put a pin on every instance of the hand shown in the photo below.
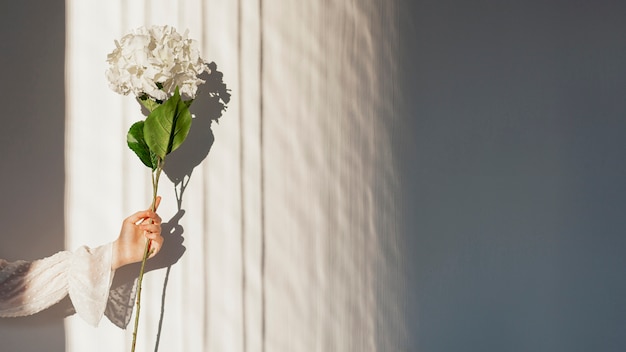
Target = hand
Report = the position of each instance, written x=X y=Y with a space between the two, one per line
x=136 y=230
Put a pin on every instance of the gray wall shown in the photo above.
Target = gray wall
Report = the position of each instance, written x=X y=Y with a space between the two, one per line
x=514 y=170
x=32 y=143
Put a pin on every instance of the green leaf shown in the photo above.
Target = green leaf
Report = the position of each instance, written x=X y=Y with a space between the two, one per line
x=137 y=143
x=167 y=126
x=148 y=103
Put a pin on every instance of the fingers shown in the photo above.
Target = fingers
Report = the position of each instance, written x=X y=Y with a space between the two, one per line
x=140 y=216
x=151 y=228
x=155 y=244
x=145 y=214
x=156 y=219
x=145 y=223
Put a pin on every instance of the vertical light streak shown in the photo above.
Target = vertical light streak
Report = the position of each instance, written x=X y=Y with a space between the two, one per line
x=262 y=182
x=242 y=197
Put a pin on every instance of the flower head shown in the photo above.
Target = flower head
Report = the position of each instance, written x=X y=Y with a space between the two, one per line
x=154 y=61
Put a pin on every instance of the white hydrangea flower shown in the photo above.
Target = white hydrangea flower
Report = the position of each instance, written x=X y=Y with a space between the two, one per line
x=154 y=61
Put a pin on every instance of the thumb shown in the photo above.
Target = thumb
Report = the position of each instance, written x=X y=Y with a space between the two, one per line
x=157 y=201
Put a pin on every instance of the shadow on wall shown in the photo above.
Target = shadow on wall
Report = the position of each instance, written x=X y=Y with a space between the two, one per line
x=195 y=149
x=179 y=167
x=181 y=163
x=32 y=142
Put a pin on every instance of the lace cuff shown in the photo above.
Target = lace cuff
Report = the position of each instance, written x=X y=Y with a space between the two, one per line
x=89 y=279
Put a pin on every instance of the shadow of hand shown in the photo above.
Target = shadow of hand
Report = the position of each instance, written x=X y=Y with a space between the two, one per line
x=122 y=292
x=173 y=248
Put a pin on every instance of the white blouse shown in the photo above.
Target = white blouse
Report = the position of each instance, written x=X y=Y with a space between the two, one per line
x=86 y=275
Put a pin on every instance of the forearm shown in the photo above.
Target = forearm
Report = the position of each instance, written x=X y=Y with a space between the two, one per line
x=30 y=287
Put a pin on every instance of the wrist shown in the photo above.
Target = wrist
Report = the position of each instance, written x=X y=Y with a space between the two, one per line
x=115 y=256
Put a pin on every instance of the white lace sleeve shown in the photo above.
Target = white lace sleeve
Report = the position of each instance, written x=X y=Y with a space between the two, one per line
x=29 y=287
x=89 y=279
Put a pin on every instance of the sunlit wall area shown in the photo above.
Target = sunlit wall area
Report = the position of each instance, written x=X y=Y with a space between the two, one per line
x=286 y=236
x=331 y=241
x=105 y=179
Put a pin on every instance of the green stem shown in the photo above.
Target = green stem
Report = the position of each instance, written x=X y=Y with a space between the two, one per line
x=146 y=252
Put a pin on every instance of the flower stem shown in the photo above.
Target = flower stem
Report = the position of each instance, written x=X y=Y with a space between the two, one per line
x=147 y=251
